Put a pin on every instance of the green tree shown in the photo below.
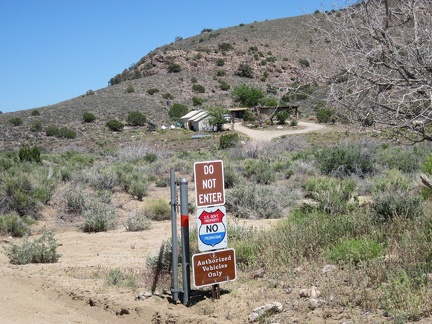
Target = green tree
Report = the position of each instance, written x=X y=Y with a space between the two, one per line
x=217 y=118
x=88 y=117
x=247 y=96
x=176 y=111
x=114 y=125
x=136 y=118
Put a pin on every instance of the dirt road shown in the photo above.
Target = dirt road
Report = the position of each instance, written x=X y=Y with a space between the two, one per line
x=269 y=134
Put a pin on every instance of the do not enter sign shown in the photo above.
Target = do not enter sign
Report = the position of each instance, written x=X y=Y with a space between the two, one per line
x=209 y=184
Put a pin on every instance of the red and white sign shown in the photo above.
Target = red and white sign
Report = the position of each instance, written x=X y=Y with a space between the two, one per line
x=212 y=228
x=209 y=183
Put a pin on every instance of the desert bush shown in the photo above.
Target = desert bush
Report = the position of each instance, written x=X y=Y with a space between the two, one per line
x=197 y=101
x=174 y=68
x=347 y=159
x=88 y=117
x=261 y=201
x=224 y=86
x=168 y=96
x=35 y=113
x=36 y=126
x=99 y=217
x=74 y=199
x=228 y=140
x=152 y=91
x=51 y=130
x=129 y=88
x=393 y=180
x=294 y=123
x=65 y=132
x=177 y=111
x=244 y=70
x=103 y=178
x=30 y=154
x=225 y=47
x=331 y=194
x=121 y=278
x=304 y=62
x=18 y=190
x=114 y=125
x=16 y=121
x=406 y=159
x=231 y=176
x=40 y=250
x=136 y=118
x=355 y=251
x=139 y=188
x=389 y=205
x=14 y=225
x=220 y=73
x=259 y=171
x=137 y=221
x=220 y=62
x=198 y=88
x=157 y=209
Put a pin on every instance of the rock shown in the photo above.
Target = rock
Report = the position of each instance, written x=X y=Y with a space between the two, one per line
x=143 y=295
x=328 y=268
x=312 y=293
x=274 y=307
x=313 y=303
x=259 y=273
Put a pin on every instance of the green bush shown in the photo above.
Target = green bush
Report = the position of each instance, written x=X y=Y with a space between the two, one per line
x=304 y=62
x=152 y=91
x=355 y=251
x=248 y=116
x=14 y=225
x=220 y=73
x=51 y=130
x=99 y=217
x=224 y=86
x=244 y=70
x=36 y=126
x=324 y=115
x=220 y=62
x=35 y=113
x=88 y=117
x=347 y=159
x=168 y=96
x=389 y=205
x=261 y=201
x=40 y=250
x=139 y=189
x=75 y=199
x=282 y=117
x=129 y=88
x=65 y=132
x=16 y=121
x=197 y=101
x=136 y=118
x=177 y=111
x=294 y=123
x=114 y=125
x=331 y=194
x=228 y=140
x=225 y=47
x=30 y=154
x=174 y=68
x=19 y=196
x=137 y=221
x=198 y=88
x=158 y=210
x=259 y=171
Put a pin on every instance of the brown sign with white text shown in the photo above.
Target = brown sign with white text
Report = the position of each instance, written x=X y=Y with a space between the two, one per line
x=209 y=184
x=214 y=267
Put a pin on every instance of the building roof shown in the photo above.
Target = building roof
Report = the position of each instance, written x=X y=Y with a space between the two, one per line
x=190 y=114
x=199 y=116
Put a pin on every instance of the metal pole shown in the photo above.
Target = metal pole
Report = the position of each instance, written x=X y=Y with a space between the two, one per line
x=184 y=211
x=173 y=185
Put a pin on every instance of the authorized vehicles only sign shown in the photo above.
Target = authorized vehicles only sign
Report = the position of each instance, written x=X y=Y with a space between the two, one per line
x=215 y=267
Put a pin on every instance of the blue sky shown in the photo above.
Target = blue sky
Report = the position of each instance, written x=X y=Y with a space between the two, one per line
x=55 y=50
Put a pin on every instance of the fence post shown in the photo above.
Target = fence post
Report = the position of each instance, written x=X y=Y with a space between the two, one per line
x=174 y=244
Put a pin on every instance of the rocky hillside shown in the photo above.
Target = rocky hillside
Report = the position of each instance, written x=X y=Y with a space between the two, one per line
x=270 y=55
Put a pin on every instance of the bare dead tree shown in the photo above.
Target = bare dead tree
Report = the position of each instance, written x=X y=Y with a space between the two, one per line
x=383 y=50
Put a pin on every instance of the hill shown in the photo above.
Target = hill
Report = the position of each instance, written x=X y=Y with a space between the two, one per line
x=271 y=55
